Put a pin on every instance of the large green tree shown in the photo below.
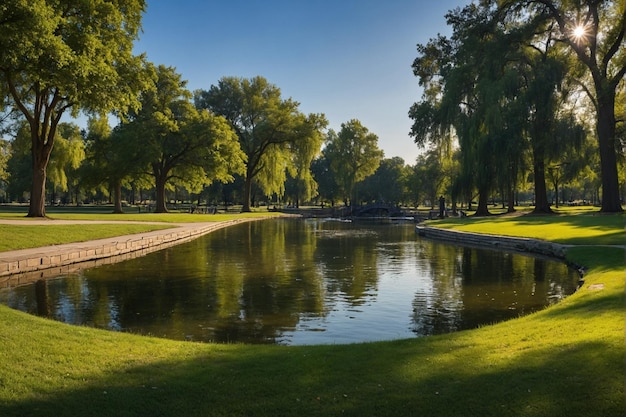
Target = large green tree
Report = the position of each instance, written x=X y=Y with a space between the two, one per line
x=272 y=132
x=354 y=155
x=595 y=32
x=461 y=97
x=388 y=184
x=179 y=143
x=114 y=158
x=58 y=57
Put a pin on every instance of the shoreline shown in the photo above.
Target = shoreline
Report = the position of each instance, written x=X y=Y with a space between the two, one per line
x=26 y=265
x=498 y=242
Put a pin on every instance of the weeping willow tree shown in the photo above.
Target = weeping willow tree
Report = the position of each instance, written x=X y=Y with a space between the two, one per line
x=594 y=33
x=460 y=98
x=66 y=158
x=272 y=132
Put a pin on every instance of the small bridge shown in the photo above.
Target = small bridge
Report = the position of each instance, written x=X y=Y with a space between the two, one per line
x=377 y=210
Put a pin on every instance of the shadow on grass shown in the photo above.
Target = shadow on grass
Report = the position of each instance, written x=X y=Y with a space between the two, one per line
x=589 y=306
x=561 y=381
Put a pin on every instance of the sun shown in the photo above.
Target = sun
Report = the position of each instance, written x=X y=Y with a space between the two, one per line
x=579 y=32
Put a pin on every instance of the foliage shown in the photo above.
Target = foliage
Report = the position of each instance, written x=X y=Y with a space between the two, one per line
x=66 y=158
x=354 y=155
x=272 y=132
x=328 y=187
x=59 y=57
x=388 y=184
x=179 y=144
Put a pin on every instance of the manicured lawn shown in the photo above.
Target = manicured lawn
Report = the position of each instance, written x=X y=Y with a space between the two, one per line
x=14 y=237
x=28 y=235
x=567 y=360
x=570 y=228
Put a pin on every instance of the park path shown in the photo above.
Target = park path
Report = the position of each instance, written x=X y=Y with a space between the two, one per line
x=25 y=265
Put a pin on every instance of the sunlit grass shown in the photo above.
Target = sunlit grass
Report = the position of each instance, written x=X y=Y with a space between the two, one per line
x=567 y=360
x=28 y=235
x=576 y=229
x=13 y=237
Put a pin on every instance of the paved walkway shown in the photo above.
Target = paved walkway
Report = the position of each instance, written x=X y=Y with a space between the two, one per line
x=23 y=265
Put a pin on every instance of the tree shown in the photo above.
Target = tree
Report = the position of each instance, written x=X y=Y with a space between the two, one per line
x=461 y=96
x=66 y=158
x=354 y=155
x=595 y=32
x=179 y=143
x=60 y=57
x=113 y=158
x=270 y=129
x=328 y=187
x=388 y=183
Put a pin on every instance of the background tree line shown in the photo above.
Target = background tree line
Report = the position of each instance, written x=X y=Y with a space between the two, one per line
x=527 y=90
x=524 y=102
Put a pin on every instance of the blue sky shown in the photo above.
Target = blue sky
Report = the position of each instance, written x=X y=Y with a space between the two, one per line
x=348 y=59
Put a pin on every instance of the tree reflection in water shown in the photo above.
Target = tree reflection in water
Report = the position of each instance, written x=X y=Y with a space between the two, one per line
x=294 y=281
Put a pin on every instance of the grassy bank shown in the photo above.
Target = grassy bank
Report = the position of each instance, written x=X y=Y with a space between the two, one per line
x=567 y=360
x=572 y=227
x=29 y=235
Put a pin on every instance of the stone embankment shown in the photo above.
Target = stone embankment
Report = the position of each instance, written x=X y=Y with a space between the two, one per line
x=508 y=243
x=20 y=266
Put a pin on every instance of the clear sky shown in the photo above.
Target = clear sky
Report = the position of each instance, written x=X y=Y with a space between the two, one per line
x=348 y=59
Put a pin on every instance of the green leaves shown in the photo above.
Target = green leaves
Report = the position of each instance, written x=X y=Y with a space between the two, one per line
x=353 y=154
x=60 y=56
x=274 y=135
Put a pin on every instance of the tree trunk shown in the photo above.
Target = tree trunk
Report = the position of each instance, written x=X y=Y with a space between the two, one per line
x=511 y=200
x=542 y=206
x=117 y=192
x=608 y=160
x=247 y=190
x=37 y=207
x=160 y=195
x=483 y=199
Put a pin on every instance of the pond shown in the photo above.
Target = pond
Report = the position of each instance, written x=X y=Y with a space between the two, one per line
x=294 y=282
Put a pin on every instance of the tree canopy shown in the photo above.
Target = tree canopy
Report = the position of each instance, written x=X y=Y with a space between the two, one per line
x=272 y=132
x=179 y=143
x=354 y=155
x=502 y=85
x=60 y=57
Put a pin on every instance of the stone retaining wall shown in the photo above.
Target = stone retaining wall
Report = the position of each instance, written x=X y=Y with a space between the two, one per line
x=17 y=267
x=518 y=244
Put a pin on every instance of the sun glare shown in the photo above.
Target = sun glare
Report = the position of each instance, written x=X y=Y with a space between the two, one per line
x=579 y=32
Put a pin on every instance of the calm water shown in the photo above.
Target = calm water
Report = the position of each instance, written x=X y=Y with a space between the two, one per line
x=301 y=282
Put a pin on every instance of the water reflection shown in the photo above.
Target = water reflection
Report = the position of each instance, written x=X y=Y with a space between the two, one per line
x=301 y=282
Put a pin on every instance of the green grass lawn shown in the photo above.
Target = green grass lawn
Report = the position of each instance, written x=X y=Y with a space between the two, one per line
x=574 y=228
x=25 y=235
x=13 y=237
x=567 y=360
